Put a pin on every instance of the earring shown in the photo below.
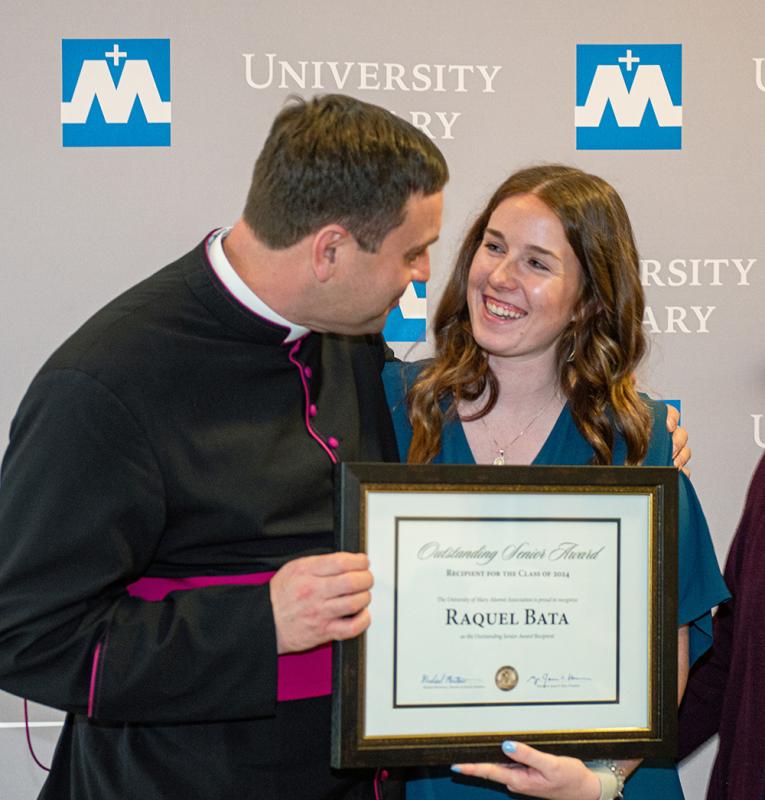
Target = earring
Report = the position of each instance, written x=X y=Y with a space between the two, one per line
x=573 y=351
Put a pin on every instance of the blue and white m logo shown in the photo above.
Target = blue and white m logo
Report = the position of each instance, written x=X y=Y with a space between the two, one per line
x=115 y=92
x=629 y=97
x=408 y=320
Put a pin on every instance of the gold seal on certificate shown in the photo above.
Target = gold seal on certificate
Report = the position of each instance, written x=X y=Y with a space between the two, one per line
x=506 y=678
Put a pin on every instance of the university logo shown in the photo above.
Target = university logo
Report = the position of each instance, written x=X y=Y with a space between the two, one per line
x=115 y=92
x=408 y=320
x=629 y=97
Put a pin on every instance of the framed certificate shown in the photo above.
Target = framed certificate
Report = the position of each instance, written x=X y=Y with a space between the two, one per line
x=532 y=603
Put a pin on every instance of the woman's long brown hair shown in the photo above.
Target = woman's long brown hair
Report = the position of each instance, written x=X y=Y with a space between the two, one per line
x=597 y=352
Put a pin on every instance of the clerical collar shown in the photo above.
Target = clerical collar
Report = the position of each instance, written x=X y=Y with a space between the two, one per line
x=229 y=277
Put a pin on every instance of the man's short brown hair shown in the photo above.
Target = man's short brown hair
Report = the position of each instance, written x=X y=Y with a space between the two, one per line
x=335 y=159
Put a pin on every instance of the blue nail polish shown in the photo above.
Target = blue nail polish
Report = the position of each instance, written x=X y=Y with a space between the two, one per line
x=508 y=747
x=455 y=768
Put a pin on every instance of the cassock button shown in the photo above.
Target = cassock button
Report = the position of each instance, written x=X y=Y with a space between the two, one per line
x=308 y=372
x=332 y=442
x=312 y=410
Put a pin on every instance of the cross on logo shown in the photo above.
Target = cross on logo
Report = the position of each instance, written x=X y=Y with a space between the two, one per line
x=117 y=54
x=628 y=60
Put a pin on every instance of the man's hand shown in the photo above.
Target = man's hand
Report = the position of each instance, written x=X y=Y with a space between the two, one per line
x=681 y=453
x=319 y=599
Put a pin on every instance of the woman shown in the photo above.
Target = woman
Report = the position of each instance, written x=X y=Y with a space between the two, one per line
x=538 y=335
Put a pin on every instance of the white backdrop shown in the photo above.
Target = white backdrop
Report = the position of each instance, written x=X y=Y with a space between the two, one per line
x=494 y=82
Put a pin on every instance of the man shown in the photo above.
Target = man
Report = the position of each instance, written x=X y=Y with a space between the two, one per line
x=166 y=502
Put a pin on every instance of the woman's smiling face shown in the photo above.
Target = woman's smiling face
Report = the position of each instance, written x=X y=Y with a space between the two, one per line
x=524 y=280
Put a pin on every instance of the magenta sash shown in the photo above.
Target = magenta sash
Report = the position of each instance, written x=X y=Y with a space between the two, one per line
x=299 y=676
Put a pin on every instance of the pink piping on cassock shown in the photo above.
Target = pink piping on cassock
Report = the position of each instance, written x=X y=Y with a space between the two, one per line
x=302 y=370
x=299 y=675
x=305 y=372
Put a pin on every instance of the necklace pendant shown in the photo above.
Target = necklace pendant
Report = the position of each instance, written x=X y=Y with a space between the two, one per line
x=499 y=461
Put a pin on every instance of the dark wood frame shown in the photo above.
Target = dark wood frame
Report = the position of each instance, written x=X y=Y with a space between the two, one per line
x=351 y=749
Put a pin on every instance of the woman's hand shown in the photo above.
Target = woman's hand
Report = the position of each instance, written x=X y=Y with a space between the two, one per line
x=538 y=774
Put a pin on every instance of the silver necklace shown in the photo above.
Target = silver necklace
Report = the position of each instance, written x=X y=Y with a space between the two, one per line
x=499 y=461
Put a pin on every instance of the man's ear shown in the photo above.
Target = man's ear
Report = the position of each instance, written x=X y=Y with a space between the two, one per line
x=327 y=241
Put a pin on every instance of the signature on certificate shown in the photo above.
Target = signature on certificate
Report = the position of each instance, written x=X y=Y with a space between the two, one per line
x=447 y=679
x=556 y=680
